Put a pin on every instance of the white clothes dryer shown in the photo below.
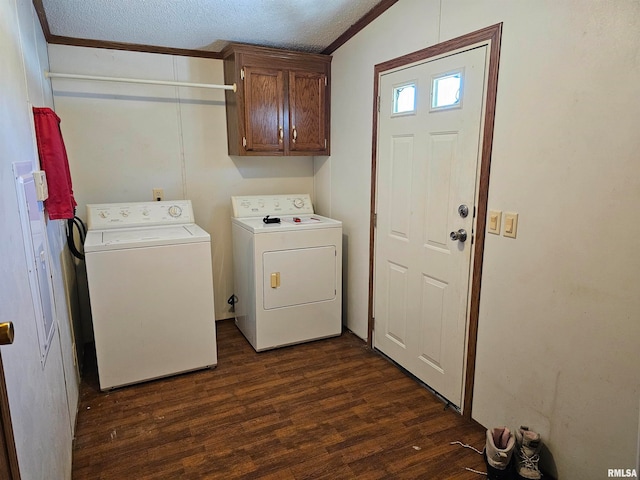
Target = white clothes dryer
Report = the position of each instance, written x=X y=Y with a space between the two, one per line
x=287 y=275
x=151 y=291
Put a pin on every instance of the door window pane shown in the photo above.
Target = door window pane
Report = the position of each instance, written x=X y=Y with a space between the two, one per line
x=404 y=98
x=446 y=91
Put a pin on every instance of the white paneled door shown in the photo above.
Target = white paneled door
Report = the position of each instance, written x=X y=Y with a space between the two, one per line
x=428 y=157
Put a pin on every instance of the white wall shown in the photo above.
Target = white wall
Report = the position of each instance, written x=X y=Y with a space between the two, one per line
x=123 y=140
x=558 y=328
x=43 y=400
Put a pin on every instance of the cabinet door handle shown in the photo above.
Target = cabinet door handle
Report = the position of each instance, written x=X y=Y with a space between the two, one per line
x=6 y=333
x=295 y=134
x=280 y=134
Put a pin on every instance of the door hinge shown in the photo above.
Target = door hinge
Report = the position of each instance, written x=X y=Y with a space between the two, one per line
x=242 y=74
x=375 y=220
x=325 y=143
x=244 y=141
x=474 y=211
x=378 y=103
x=326 y=81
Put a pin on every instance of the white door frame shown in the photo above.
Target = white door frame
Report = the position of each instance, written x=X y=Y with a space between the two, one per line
x=491 y=37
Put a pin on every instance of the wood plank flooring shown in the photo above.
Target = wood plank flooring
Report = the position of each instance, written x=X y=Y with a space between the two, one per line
x=330 y=409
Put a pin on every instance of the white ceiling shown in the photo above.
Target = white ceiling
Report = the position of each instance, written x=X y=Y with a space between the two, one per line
x=307 y=25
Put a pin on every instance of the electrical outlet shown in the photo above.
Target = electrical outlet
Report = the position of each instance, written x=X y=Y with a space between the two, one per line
x=158 y=194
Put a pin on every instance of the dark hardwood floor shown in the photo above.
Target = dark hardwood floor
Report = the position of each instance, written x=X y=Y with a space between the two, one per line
x=328 y=409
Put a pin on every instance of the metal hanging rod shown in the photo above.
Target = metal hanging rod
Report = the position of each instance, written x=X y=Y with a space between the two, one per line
x=139 y=80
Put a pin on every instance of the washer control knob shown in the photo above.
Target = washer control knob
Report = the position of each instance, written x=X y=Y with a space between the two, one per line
x=298 y=202
x=175 y=211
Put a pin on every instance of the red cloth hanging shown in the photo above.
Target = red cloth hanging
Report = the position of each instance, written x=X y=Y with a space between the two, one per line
x=54 y=161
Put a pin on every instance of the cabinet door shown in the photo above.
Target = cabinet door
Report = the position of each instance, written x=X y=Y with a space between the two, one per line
x=307 y=108
x=264 y=109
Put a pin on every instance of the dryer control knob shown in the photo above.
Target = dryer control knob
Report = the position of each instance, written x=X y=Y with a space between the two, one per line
x=175 y=211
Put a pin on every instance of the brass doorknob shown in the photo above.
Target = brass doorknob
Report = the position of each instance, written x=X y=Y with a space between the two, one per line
x=6 y=333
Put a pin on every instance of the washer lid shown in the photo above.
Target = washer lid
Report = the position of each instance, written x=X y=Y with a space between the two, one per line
x=118 y=239
x=287 y=223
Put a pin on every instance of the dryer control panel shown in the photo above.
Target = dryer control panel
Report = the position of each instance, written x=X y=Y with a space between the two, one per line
x=275 y=205
x=104 y=216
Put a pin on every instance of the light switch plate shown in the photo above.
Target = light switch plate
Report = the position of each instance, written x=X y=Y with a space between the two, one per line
x=495 y=220
x=510 y=224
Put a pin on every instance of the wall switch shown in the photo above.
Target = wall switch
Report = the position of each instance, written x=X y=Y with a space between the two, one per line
x=510 y=224
x=495 y=220
x=158 y=194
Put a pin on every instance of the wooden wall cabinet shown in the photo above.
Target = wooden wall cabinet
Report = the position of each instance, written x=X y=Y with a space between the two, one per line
x=281 y=106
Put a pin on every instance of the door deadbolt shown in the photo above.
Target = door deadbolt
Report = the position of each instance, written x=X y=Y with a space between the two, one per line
x=463 y=210
x=460 y=235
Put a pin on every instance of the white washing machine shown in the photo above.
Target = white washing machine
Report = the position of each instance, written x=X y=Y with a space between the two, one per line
x=151 y=291
x=287 y=275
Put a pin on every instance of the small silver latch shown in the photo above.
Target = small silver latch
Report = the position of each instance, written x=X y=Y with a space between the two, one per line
x=244 y=141
x=242 y=74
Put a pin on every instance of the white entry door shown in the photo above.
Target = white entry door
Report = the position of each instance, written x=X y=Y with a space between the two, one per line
x=429 y=146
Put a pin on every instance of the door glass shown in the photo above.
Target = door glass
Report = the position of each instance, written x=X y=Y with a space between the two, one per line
x=446 y=91
x=404 y=98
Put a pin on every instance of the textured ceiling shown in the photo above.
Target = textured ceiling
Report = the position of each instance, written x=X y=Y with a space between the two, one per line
x=307 y=25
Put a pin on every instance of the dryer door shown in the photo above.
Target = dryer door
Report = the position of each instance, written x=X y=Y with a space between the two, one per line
x=296 y=277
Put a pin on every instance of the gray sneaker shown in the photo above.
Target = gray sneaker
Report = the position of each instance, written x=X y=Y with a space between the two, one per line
x=528 y=454
x=498 y=453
